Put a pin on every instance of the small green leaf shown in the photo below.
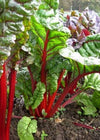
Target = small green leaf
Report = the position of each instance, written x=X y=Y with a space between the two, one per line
x=38 y=95
x=79 y=112
x=26 y=127
x=43 y=112
x=86 y=104
x=92 y=81
x=82 y=119
x=43 y=135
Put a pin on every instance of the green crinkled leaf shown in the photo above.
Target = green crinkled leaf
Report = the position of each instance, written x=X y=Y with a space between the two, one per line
x=70 y=53
x=91 y=46
x=57 y=64
x=92 y=81
x=23 y=88
x=37 y=97
x=96 y=99
x=38 y=29
x=83 y=60
x=51 y=3
x=92 y=102
x=49 y=16
x=52 y=83
x=23 y=85
x=56 y=41
x=13 y=29
x=89 y=110
x=86 y=104
x=26 y=127
x=88 y=54
x=54 y=67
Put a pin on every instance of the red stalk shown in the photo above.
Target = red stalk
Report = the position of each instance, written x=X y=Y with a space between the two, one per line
x=67 y=78
x=43 y=70
x=86 y=32
x=71 y=91
x=37 y=112
x=12 y=83
x=17 y=117
x=45 y=100
x=32 y=79
x=3 y=101
x=33 y=84
x=65 y=92
x=52 y=97
x=84 y=126
x=31 y=111
x=69 y=101
x=51 y=101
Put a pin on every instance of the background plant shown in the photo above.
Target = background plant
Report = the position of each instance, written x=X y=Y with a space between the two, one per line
x=82 y=24
x=79 y=5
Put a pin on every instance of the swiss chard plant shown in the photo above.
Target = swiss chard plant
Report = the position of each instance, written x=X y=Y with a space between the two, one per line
x=52 y=63
x=14 y=24
x=47 y=37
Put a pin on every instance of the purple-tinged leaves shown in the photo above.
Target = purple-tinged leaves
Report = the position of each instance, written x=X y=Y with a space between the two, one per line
x=81 y=25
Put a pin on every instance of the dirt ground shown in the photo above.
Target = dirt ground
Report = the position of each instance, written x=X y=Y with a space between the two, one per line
x=61 y=126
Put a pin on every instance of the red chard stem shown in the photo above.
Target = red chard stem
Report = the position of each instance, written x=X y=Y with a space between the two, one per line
x=69 y=101
x=52 y=97
x=66 y=91
x=32 y=79
x=12 y=83
x=67 y=78
x=85 y=126
x=3 y=102
x=37 y=112
x=43 y=69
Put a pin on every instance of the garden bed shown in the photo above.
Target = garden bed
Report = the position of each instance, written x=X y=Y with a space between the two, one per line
x=60 y=127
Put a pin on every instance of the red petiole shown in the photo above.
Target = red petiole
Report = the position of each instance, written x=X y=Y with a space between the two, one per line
x=3 y=103
x=12 y=82
x=85 y=126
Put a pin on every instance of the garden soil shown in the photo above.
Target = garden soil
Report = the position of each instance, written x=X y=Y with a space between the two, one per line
x=61 y=126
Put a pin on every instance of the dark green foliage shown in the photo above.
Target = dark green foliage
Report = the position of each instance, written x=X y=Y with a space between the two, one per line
x=90 y=101
x=86 y=104
x=23 y=87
